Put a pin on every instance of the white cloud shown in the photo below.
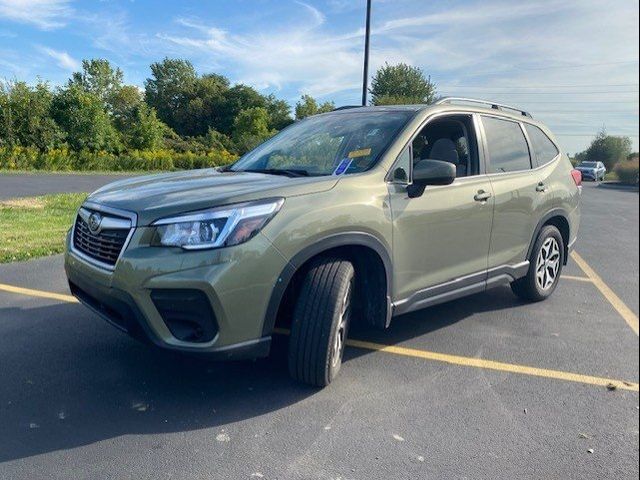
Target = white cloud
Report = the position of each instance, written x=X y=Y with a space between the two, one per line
x=511 y=52
x=301 y=53
x=492 y=48
x=44 y=14
x=317 y=16
x=534 y=55
x=63 y=59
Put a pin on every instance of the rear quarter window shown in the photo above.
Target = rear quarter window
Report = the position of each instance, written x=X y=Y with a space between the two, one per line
x=543 y=148
x=508 y=149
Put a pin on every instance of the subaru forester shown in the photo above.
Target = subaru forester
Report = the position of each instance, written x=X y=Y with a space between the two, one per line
x=357 y=215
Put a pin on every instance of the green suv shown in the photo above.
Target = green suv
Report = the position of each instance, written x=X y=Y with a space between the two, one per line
x=357 y=215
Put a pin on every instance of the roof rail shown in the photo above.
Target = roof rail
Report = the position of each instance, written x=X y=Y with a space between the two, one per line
x=494 y=105
x=346 y=107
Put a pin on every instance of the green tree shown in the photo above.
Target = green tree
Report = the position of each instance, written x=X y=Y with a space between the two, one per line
x=6 y=118
x=146 y=131
x=608 y=149
x=279 y=112
x=401 y=84
x=124 y=104
x=203 y=106
x=238 y=98
x=25 y=116
x=215 y=140
x=251 y=128
x=99 y=78
x=82 y=116
x=579 y=157
x=307 y=106
x=170 y=89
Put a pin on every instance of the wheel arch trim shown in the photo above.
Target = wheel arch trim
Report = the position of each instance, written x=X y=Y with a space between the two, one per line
x=556 y=212
x=344 y=239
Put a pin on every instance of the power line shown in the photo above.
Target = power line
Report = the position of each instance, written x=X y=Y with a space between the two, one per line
x=581 y=102
x=561 y=93
x=542 y=86
x=550 y=67
x=594 y=135
x=580 y=65
x=629 y=112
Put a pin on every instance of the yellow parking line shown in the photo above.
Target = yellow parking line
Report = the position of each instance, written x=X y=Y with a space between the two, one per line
x=37 y=293
x=576 y=279
x=488 y=364
x=410 y=352
x=624 y=311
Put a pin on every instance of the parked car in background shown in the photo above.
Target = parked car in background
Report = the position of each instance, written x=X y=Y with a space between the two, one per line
x=592 y=170
x=360 y=214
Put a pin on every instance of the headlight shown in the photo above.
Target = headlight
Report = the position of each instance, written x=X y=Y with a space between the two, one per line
x=217 y=227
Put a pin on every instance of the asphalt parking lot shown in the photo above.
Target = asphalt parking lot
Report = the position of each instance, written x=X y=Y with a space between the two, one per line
x=32 y=184
x=484 y=387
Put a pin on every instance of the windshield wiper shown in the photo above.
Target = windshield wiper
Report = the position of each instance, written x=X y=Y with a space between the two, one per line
x=287 y=172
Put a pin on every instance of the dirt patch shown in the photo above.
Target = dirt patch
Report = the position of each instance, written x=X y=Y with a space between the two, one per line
x=26 y=202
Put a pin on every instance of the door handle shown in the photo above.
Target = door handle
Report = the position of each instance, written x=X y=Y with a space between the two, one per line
x=482 y=196
x=541 y=188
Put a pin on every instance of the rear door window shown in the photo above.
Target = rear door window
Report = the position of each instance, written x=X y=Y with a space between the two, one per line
x=508 y=149
x=543 y=148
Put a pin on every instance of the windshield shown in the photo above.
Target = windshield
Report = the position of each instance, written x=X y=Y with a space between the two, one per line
x=337 y=144
x=588 y=164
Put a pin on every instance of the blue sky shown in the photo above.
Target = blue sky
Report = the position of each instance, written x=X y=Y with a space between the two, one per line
x=574 y=64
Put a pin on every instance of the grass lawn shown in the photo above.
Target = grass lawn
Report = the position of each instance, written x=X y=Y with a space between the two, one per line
x=36 y=226
x=4 y=171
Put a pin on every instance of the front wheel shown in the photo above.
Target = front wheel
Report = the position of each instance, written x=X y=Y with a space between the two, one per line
x=321 y=322
x=545 y=267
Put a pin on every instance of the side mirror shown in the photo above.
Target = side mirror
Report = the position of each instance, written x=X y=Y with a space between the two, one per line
x=430 y=172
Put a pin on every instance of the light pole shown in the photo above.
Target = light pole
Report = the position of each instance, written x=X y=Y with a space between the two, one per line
x=365 y=75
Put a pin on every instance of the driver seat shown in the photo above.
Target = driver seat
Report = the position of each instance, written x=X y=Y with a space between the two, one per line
x=444 y=149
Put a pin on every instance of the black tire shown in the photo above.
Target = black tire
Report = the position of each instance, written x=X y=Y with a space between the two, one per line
x=529 y=287
x=322 y=311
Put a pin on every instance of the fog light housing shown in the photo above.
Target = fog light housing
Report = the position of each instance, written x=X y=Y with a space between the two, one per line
x=187 y=314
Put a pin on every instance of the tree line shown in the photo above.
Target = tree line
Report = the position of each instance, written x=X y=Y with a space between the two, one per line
x=607 y=149
x=178 y=110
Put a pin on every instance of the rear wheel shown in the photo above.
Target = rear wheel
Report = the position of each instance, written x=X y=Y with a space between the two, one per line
x=545 y=267
x=321 y=322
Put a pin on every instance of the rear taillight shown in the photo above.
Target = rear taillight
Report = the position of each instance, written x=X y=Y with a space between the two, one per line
x=577 y=177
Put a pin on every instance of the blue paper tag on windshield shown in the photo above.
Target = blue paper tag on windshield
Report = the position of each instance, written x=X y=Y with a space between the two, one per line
x=342 y=167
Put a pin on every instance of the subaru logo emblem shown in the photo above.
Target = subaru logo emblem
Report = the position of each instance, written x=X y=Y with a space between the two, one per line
x=94 y=222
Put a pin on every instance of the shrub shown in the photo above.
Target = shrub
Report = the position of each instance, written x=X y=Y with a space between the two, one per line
x=627 y=171
x=29 y=158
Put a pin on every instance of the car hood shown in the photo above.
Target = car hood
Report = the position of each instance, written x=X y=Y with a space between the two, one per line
x=155 y=196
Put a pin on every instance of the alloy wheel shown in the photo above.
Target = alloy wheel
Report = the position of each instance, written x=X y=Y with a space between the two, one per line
x=548 y=264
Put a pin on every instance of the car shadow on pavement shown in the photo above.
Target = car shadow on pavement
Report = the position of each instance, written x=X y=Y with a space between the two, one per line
x=423 y=322
x=67 y=379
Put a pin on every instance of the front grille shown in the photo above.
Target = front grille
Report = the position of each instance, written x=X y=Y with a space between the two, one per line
x=104 y=246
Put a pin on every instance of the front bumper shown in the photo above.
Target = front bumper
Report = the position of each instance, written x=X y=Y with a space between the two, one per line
x=236 y=283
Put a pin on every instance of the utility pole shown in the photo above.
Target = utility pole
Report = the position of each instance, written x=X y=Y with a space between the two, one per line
x=365 y=76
